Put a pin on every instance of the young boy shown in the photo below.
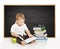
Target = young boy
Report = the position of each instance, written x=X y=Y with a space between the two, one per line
x=19 y=29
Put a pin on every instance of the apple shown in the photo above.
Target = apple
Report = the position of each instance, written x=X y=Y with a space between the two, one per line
x=13 y=40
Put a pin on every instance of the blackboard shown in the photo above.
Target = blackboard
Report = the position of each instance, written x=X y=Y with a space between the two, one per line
x=34 y=14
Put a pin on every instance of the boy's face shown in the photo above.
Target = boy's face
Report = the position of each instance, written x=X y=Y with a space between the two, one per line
x=20 y=21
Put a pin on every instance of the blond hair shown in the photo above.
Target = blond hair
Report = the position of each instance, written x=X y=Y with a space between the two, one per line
x=20 y=15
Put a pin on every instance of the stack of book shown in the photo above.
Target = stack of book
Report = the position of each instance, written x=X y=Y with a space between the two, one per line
x=40 y=33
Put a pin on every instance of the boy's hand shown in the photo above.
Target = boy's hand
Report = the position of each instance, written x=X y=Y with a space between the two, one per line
x=31 y=35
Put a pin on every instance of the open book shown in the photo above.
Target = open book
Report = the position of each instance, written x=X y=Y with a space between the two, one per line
x=28 y=40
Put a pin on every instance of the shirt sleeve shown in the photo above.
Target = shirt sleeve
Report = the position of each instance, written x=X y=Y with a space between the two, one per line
x=12 y=29
x=25 y=26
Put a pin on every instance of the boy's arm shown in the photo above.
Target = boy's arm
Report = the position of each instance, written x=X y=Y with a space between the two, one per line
x=14 y=34
x=29 y=34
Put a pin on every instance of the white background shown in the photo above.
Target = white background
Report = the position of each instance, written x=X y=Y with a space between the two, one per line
x=52 y=43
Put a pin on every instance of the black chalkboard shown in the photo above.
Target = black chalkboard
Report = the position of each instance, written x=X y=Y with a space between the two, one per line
x=34 y=14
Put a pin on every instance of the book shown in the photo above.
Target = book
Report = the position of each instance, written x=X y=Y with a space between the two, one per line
x=28 y=40
x=36 y=28
x=39 y=32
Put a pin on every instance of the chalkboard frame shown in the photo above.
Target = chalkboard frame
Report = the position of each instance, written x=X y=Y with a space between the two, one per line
x=30 y=5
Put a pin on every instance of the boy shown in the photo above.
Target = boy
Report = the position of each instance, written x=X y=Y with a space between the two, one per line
x=19 y=29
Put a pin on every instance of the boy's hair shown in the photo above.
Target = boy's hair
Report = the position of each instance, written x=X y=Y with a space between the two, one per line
x=21 y=15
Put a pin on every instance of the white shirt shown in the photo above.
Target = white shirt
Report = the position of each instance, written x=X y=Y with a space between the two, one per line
x=19 y=29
